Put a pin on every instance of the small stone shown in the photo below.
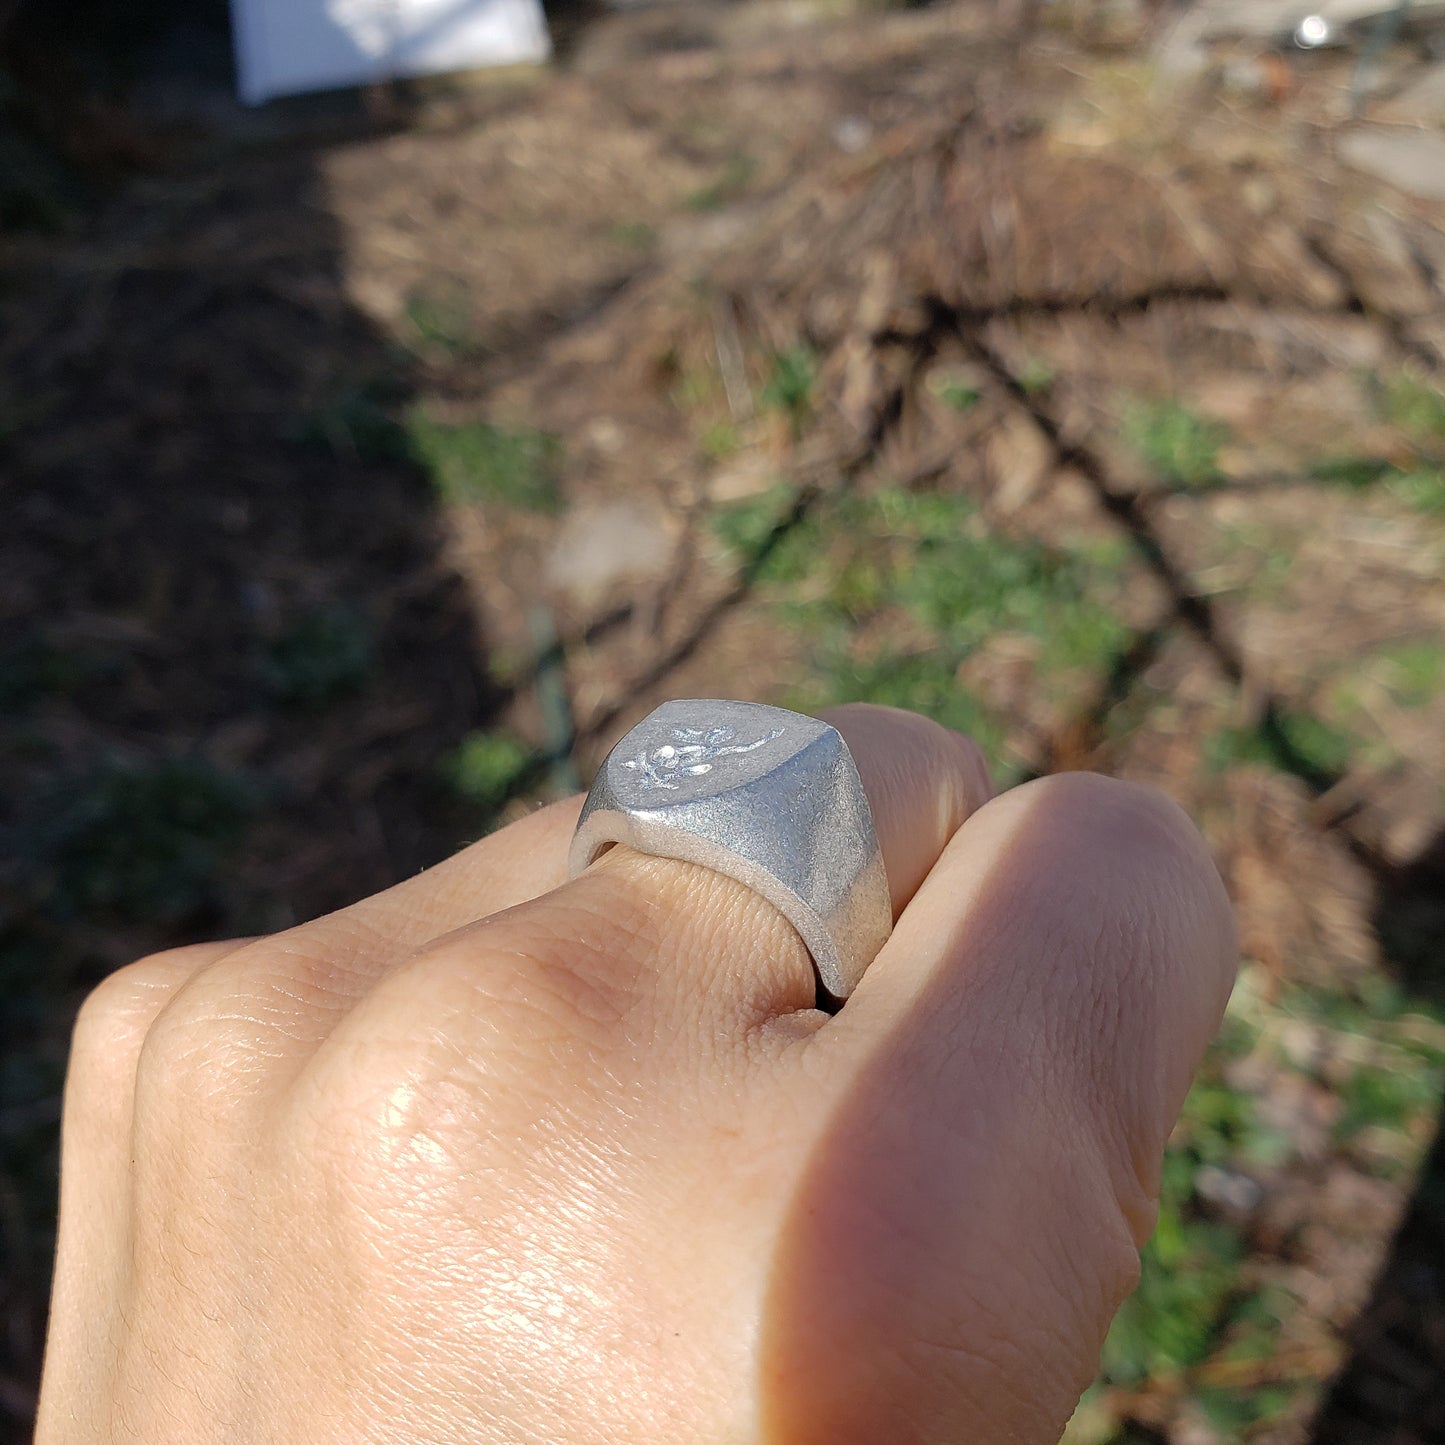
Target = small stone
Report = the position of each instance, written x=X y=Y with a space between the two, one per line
x=1235 y=1192
x=852 y=134
x=600 y=545
x=604 y=434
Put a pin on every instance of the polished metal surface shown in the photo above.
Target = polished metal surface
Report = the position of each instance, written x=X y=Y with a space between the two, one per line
x=766 y=796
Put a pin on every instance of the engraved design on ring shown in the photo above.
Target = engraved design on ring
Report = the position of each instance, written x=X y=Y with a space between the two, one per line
x=691 y=754
x=769 y=797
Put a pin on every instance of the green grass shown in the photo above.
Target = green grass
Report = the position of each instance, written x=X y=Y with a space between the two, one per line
x=1232 y=1412
x=922 y=570
x=792 y=377
x=441 y=324
x=140 y=841
x=1189 y=1274
x=1376 y=1097
x=1411 y=674
x=1424 y=490
x=720 y=441
x=1420 y=488
x=966 y=584
x=955 y=393
x=631 y=235
x=765 y=537
x=1261 y=556
x=1036 y=377
x=34 y=668
x=1370 y=1006
x=925 y=682
x=1180 y=448
x=1297 y=743
x=1389 y=1067
x=488 y=768
x=359 y=420
x=1357 y=473
x=1188 y=1278
x=1203 y=1300
x=693 y=387
x=477 y=462
x=1414 y=672
x=728 y=186
x=326 y=655
x=1417 y=408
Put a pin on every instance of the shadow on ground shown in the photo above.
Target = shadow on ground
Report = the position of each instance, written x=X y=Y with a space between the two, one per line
x=1389 y=1389
x=231 y=661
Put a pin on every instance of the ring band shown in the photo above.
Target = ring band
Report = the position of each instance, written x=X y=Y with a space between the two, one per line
x=768 y=797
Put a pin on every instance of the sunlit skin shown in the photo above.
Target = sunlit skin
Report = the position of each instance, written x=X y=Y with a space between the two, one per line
x=496 y=1157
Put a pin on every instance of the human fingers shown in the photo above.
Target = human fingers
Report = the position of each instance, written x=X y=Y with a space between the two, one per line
x=595 y=1072
x=1009 y=1070
x=95 y=1153
x=294 y=985
x=328 y=962
x=922 y=782
x=694 y=942
x=474 y=1124
x=287 y=991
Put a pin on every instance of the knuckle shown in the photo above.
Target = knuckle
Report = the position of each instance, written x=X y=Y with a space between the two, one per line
x=200 y=1049
x=169 y=1068
x=385 y=1130
x=118 y=1013
x=387 y=1109
x=566 y=970
x=502 y=1001
x=966 y=772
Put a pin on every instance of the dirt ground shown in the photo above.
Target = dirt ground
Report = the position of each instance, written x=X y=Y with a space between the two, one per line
x=364 y=480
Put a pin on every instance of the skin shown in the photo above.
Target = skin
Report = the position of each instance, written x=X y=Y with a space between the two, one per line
x=495 y=1157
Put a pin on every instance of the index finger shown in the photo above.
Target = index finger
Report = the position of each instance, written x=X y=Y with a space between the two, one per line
x=1006 y=1074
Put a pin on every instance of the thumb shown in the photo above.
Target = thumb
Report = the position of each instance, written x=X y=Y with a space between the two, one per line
x=1011 y=1067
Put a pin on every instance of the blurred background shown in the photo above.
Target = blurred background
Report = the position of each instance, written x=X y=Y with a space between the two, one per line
x=1070 y=372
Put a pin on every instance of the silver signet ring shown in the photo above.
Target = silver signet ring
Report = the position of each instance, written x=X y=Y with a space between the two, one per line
x=769 y=797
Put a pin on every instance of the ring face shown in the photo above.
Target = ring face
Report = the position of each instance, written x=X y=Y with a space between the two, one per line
x=766 y=796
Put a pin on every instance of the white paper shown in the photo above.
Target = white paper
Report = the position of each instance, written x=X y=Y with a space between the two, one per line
x=284 y=47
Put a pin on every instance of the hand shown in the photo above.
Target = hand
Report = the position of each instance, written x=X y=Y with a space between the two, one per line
x=496 y=1157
